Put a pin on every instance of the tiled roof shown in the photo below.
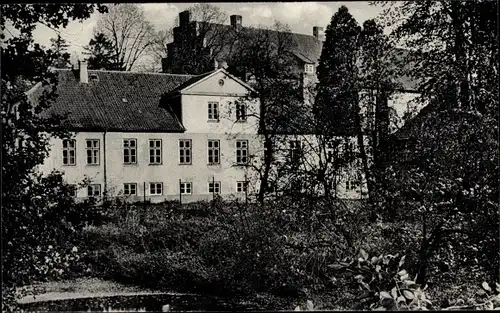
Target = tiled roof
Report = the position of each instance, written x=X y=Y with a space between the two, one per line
x=189 y=82
x=100 y=104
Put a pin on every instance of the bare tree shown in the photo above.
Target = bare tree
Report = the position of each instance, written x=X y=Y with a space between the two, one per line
x=127 y=28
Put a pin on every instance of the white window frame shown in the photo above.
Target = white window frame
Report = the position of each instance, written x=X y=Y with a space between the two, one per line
x=309 y=68
x=212 y=185
x=213 y=111
x=130 y=145
x=94 y=188
x=74 y=188
x=241 y=186
x=155 y=151
x=294 y=151
x=213 y=151
x=67 y=149
x=241 y=151
x=350 y=185
x=183 y=152
x=129 y=187
x=155 y=188
x=94 y=151
x=184 y=188
x=241 y=112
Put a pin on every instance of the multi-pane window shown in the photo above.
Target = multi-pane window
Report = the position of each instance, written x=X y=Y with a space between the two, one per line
x=350 y=185
x=186 y=188
x=185 y=151
x=309 y=68
x=130 y=189
x=241 y=151
x=155 y=189
x=213 y=111
x=155 y=151
x=129 y=151
x=295 y=151
x=214 y=187
x=69 y=152
x=241 y=186
x=72 y=190
x=92 y=147
x=213 y=152
x=241 y=112
x=94 y=190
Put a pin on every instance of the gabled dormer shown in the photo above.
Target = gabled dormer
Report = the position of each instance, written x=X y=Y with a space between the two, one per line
x=215 y=102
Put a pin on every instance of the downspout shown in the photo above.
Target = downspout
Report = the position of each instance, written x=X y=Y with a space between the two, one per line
x=104 y=157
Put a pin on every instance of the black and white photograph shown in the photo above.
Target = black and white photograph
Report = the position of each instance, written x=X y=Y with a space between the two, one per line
x=250 y=156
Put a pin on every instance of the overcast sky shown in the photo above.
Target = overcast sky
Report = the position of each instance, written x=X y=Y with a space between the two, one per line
x=300 y=16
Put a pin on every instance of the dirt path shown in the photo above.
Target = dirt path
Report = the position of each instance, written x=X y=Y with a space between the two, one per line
x=81 y=288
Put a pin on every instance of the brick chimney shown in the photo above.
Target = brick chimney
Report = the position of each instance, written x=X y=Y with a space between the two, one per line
x=319 y=33
x=84 y=74
x=184 y=17
x=236 y=21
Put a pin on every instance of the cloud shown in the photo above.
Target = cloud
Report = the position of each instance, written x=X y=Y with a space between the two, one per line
x=161 y=15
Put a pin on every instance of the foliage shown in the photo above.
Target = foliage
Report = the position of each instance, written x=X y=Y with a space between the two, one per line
x=102 y=54
x=60 y=46
x=36 y=211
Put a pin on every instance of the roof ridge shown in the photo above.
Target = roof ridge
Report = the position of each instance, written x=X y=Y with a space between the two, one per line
x=128 y=72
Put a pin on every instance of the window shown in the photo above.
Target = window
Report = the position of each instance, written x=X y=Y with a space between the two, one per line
x=185 y=151
x=350 y=185
x=186 y=188
x=241 y=112
x=130 y=151
x=309 y=68
x=94 y=190
x=130 y=189
x=241 y=186
x=295 y=151
x=155 y=189
x=214 y=187
x=213 y=152
x=155 y=151
x=213 y=111
x=92 y=147
x=69 y=152
x=241 y=151
x=73 y=190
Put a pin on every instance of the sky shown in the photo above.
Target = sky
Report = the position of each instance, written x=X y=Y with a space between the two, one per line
x=300 y=17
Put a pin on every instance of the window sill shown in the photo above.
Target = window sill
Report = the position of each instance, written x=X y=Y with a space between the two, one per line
x=213 y=164
x=185 y=163
x=129 y=164
x=155 y=164
x=241 y=121
x=186 y=194
x=92 y=165
x=69 y=165
x=213 y=121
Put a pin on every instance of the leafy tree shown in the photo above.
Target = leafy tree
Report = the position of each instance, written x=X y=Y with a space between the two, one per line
x=447 y=177
x=101 y=54
x=263 y=57
x=60 y=47
x=36 y=211
x=128 y=30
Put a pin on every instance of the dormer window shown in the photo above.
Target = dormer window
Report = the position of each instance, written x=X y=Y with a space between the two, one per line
x=124 y=100
x=94 y=77
x=309 y=69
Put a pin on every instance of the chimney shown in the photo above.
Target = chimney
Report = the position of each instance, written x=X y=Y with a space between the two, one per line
x=84 y=75
x=319 y=33
x=236 y=21
x=216 y=64
x=184 y=18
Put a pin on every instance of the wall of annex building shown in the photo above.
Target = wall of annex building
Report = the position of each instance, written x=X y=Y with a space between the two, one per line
x=199 y=172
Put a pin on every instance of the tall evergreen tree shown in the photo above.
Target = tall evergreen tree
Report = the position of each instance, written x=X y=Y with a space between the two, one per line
x=102 y=54
x=337 y=95
x=60 y=48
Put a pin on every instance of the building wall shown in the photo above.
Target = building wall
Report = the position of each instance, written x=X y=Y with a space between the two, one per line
x=199 y=172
